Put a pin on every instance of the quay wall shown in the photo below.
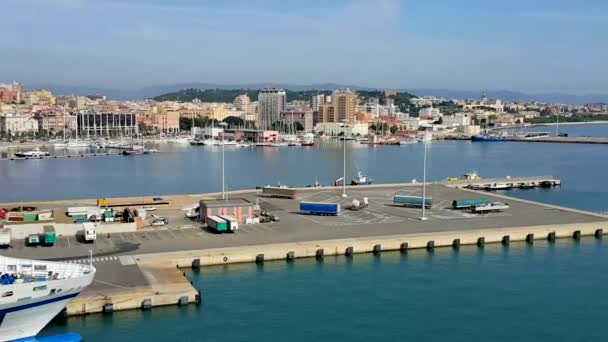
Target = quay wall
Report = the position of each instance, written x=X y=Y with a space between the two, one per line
x=283 y=251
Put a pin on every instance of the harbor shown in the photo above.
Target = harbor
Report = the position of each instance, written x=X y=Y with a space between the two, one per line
x=139 y=267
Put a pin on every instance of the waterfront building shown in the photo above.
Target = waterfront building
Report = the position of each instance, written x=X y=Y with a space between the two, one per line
x=71 y=101
x=11 y=93
x=271 y=102
x=94 y=123
x=53 y=121
x=165 y=121
x=337 y=128
x=303 y=117
x=239 y=208
x=429 y=112
x=16 y=124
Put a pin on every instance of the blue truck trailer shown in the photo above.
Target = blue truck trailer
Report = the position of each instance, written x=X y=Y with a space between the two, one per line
x=318 y=208
x=412 y=201
x=469 y=203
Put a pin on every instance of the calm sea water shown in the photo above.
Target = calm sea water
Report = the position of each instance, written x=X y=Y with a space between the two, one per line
x=520 y=293
x=543 y=292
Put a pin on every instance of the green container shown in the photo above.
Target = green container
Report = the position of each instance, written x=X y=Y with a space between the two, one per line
x=30 y=217
x=469 y=203
x=49 y=237
x=412 y=201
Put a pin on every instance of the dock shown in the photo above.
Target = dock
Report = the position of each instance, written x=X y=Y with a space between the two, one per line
x=563 y=140
x=141 y=269
x=511 y=182
x=61 y=156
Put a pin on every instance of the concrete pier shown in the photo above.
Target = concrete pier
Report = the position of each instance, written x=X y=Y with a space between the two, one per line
x=563 y=140
x=139 y=270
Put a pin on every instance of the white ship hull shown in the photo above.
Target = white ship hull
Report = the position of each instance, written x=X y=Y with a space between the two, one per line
x=26 y=306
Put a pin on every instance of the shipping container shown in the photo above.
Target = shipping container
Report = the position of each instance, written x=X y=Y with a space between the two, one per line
x=233 y=223
x=468 y=203
x=49 y=237
x=217 y=224
x=278 y=191
x=412 y=201
x=318 y=208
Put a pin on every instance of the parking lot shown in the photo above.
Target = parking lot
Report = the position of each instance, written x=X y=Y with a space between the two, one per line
x=381 y=217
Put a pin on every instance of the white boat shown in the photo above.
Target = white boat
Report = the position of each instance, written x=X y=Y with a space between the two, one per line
x=361 y=179
x=279 y=144
x=499 y=186
x=226 y=143
x=35 y=153
x=308 y=139
x=208 y=142
x=408 y=141
x=243 y=144
x=427 y=137
x=33 y=292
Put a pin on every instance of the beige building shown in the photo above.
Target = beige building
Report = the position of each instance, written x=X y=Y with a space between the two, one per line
x=343 y=107
x=39 y=97
x=243 y=103
x=18 y=124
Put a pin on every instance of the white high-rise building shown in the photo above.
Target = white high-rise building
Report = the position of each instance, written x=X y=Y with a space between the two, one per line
x=316 y=101
x=271 y=102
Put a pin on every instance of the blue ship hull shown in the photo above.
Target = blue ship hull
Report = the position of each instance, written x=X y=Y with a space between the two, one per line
x=69 y=337
x=486 y=138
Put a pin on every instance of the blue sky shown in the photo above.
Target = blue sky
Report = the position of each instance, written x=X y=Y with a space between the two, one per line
x=525 y=45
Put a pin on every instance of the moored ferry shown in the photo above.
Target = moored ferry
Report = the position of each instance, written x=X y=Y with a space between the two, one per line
x=33 y=292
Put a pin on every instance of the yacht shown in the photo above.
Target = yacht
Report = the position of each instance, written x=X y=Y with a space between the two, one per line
x=35 y=153
x=279 y=144
x=308 y=139
x=33 y=292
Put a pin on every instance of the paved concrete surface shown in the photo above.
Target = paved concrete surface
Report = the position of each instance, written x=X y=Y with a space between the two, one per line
x=380 y=218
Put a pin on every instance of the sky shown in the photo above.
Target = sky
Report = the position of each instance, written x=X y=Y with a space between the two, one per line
x=521 y=45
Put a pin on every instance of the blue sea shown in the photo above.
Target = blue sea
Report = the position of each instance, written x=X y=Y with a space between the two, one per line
x=544 y=292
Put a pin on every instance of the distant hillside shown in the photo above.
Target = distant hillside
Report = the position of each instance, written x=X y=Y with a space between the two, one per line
x=228 y=95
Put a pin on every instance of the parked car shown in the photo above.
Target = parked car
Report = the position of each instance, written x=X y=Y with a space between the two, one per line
x=32 y=240
x=160 y=221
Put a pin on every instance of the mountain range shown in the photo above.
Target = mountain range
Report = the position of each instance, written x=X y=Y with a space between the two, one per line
x=152 y=91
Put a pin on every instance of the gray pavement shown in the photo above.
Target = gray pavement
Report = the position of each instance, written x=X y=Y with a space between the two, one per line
x=380 y=218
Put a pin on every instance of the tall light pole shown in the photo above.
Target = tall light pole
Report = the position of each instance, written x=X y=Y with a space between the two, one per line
x=344 y=124
x=423 y=218
x=223 y=125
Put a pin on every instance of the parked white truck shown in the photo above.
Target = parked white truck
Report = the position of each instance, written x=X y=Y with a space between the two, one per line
x=90 y=234
x=5 y=237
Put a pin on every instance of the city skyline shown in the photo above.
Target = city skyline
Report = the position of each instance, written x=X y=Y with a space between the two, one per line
x=377 y=44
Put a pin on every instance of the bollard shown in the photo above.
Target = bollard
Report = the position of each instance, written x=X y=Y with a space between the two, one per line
x=146 y=304
x=530 y=238
x=196 y=263
x=197 y=297
x=403 y=247
x=183 y=300
x=577 y=235
x=505 y=240
x=551 y=237
x=291 y=255
x=108 y=308
x=377 y=249
x=456 y=243
x=259 y=259
x=481 y=241
x=430 y=245
x=349 y=251
x=319 y=253
x=599 y=233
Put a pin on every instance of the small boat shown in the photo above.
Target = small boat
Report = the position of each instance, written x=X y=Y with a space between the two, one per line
x=243 y=144
x=279 y=144
x=361 y=179
x=308 y=139
x=408 y=141
x=35 y=153
x=294 y=144
x=134 y=150
x=499 y=186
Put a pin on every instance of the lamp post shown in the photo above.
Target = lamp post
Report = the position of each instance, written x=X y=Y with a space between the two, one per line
x=424 y=218
x=223 y=125
x=344 y=125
